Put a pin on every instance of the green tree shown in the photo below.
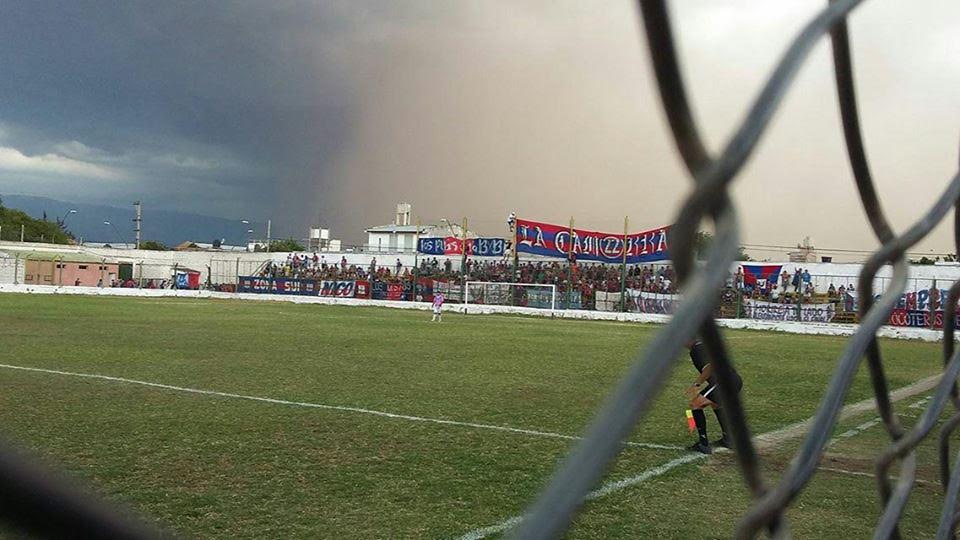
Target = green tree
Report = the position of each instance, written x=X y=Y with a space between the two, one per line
x=286 y=245
x=701 y=246
x=34 y=230
x=153 y=245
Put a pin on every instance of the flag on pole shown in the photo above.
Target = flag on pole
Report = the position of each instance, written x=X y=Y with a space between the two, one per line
x=691 y=424
x=761 y=276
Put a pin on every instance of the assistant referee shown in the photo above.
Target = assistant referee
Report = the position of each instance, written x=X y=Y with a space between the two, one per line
x=703 y=393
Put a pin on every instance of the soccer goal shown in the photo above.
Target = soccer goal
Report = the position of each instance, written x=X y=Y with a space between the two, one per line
x=535 y=295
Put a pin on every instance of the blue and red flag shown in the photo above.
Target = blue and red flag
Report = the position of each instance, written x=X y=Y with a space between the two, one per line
x=557 y=241
x=762 y=276
x=451 y=245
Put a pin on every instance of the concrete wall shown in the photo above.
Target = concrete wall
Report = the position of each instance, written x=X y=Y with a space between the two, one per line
x=11 y=269
x=831 y=329
x=222 y=267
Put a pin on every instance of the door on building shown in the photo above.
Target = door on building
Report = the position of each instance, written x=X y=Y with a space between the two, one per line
x=126 y=271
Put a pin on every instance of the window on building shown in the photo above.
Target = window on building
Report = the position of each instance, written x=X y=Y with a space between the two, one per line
x=59 y=265
x=83 y=267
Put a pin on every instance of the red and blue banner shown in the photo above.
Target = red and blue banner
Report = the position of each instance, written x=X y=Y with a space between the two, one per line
x=265 y=285
x=302 y=287
x=451 y=245
x=342 y=289
x=761 y=276
x=919 y=318
x=387 y=290
x=556 y=241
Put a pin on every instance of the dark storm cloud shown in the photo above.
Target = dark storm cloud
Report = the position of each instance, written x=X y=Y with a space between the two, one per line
x=335 y=111
x=188 y=99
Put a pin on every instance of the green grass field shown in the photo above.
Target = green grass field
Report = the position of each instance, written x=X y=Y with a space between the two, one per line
x=219 y=466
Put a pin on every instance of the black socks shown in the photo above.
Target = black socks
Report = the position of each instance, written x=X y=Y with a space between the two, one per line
x=701 y=420
x=723 y=426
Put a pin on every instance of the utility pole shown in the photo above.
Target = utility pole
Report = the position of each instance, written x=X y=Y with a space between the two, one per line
x=136 y=222
x=268 y=236
x=21 y=232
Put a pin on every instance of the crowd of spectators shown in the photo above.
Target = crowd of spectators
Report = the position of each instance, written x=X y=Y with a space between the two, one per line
x=785 y=287
x=586 y=278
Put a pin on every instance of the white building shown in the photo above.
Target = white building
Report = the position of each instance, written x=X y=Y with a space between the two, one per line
x=319 y=240
x=401 y=235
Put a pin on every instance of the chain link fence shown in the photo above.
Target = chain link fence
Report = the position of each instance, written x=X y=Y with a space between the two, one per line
x=50 y=508
x=556 y=507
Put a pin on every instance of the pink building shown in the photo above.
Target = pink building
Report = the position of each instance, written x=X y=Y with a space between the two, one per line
x=69 y=269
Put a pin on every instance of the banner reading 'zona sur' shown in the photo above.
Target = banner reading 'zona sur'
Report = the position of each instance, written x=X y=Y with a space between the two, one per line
x=554 y=241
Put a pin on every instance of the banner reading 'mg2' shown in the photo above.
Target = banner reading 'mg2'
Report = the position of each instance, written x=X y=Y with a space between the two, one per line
x=554 y=241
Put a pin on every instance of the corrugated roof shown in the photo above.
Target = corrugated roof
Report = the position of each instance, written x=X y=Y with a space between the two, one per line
x=61 y=256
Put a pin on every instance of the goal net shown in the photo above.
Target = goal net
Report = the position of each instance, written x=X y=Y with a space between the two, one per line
x=535 y=295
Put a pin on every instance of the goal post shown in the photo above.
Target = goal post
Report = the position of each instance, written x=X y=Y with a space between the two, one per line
x=499 y=293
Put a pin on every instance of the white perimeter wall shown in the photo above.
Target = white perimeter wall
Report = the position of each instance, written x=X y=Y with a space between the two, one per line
x=223 y=266
x=791 y=327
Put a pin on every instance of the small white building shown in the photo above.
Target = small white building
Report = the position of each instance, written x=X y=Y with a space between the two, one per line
x=319 y=240
x=393 y=238
x=401 y=235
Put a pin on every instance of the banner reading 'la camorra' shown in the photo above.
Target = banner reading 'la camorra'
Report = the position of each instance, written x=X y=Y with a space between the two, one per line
x=554 y=241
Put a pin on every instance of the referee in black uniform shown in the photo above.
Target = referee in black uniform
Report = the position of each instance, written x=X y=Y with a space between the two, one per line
x=704 y=393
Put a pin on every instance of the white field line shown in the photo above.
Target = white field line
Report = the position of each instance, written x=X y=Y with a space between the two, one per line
x=762 y=442
x=852 y=432
x=869 y=475
x=384 y=414
x=602 y=491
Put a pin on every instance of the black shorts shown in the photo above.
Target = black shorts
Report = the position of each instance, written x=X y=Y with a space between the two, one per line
x=712 y=392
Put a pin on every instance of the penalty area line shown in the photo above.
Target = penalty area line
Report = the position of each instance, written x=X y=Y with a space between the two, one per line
x=383 y=414
x=762 y=442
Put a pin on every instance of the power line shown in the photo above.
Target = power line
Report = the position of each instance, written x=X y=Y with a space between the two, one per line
x=773 y=247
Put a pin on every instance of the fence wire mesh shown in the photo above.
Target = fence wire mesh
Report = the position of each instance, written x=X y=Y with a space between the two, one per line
x=50 y=507
x=554 y=510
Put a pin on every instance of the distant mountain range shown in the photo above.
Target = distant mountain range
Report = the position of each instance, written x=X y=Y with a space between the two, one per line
x=165 y=226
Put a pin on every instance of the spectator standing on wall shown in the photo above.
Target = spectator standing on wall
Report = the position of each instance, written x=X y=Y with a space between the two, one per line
x=784 y=280
x=806 y=279
x=797 y=279
x=373 y=266
x=343 y=263
x=399 y=266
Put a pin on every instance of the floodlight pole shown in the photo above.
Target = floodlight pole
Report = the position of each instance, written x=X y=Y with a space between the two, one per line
x=623 y=269
x=514 y=229
x=463 y=258
x=416 y=261
x=137 y=220
x=570 y=265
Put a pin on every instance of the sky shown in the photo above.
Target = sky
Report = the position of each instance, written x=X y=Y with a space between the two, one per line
x=332 y=112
